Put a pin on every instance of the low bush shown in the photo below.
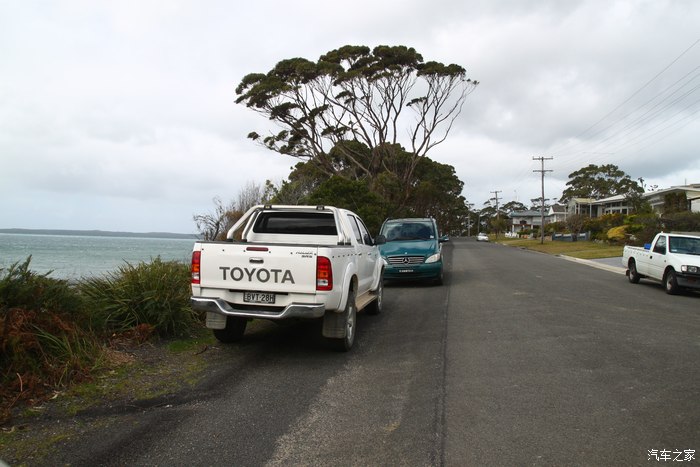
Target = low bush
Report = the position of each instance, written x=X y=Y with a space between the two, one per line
x=685 y=221
x=599 y=226
x=53 y=333
x=643 y=227
x=616 y=235
x=155 y=294
x=44 y=342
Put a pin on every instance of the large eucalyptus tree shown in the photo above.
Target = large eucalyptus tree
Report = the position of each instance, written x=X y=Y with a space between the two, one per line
x=381 y=98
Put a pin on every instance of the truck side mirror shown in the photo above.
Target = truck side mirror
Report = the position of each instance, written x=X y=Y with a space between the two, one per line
x=380 y=240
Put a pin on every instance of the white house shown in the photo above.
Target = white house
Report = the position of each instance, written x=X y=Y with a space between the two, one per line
x=557 y=213
x=692 y=193
x=532 y=219
x=618 y=204
x=525 y=220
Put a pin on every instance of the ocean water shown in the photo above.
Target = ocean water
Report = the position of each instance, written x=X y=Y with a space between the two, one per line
x=74 y=257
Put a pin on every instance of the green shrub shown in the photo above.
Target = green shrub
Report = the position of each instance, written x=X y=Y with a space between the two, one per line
x=23 y=288
x=617 y=234
x=44 y=342
x=155 y=294
x=556 y=227
x=643 y=227
x=684 y=221
x=599 y=226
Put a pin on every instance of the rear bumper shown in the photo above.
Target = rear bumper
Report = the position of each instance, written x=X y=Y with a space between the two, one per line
x=293 y=310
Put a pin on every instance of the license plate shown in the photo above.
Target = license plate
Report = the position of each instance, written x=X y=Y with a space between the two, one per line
x=258 y=297
x=405 y=270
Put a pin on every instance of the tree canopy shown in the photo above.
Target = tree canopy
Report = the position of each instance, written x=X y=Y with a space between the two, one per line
x=599 y=182
x=435 y=191
x=356 y=94
x=513 y=206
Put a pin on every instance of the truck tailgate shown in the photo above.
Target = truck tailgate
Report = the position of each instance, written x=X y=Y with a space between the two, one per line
x=265 y=268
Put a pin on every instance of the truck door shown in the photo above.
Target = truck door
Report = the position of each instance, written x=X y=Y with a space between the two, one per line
x=657 y=260
x=366 y=254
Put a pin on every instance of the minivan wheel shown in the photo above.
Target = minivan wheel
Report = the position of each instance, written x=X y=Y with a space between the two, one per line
x=440 y=279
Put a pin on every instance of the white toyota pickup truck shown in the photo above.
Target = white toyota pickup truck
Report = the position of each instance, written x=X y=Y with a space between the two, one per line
x=672 y=258
x=289 y=262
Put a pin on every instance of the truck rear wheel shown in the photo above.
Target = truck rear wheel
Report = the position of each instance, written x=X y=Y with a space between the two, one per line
x=633 y=275
x=233 y=332
x=671 y=283
x=335 y=324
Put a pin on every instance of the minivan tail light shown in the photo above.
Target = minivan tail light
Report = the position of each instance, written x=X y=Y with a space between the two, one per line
x=324 y=273
x=196 y=263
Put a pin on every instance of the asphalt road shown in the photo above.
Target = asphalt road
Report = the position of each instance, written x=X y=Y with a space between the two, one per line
x=520 y=358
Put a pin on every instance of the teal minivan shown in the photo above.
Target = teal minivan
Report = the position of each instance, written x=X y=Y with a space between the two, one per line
x=412 y=249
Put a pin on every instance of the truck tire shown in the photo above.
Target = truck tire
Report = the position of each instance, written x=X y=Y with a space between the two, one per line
x=233 y=332
x=633 y=275
x=671 y=283
x=375 y=307
x=341 y=324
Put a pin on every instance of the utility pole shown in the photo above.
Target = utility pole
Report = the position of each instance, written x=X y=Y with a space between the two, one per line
x=498 y=217
x=542 y=171
x=469 y=218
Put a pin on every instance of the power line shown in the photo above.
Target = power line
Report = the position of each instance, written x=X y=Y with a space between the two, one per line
x=584 y=132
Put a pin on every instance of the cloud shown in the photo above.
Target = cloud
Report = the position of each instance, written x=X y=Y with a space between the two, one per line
x=122 y=113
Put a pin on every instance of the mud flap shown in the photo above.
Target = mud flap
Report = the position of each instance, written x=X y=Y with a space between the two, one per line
x=334 y=324
x=215 y=320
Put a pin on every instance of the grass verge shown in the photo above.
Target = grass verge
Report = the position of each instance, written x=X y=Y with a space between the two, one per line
x=132 y=375
x=55 y=334
x=580 y=249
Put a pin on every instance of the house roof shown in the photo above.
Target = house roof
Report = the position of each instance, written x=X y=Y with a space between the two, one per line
x=558 y=208
x=529 y=213
x=693 y=187
x=648 y=194
x=611 y=199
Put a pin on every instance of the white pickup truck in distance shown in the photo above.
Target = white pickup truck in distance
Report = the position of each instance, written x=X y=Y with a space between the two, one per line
x=289 y=262
x=672 y=258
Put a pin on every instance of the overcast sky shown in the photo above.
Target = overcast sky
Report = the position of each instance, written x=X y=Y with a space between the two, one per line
x=120 y=115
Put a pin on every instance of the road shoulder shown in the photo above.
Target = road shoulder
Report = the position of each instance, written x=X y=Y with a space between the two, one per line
x=607 y=264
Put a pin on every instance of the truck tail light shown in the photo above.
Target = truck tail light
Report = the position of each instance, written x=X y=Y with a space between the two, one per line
x=196 y=261
x=324 y=274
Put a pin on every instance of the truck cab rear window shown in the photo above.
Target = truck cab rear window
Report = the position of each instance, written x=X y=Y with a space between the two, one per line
x=296 y=223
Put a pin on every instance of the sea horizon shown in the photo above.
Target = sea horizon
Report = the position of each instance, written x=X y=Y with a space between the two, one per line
x=77 y=254
x=97 y=233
